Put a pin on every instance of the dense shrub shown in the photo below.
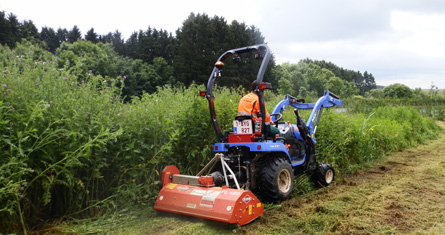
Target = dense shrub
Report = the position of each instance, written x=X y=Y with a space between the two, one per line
x=398 y=91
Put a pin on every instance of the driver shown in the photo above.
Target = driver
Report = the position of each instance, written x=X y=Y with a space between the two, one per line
x=249 y=105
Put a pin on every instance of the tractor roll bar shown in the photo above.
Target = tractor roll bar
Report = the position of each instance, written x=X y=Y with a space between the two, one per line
x=265 y=55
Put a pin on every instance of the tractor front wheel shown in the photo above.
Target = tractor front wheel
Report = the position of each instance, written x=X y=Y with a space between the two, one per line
x=324 y=174
x=276 y=179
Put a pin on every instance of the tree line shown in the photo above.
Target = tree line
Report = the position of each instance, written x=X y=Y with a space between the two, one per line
x=151 y=58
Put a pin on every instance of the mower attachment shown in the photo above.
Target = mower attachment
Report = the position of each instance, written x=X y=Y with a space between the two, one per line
x=196 y=196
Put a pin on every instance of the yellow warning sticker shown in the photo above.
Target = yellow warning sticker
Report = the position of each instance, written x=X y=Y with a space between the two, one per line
x=171 y=186
x=250 y=209
x=258 y=205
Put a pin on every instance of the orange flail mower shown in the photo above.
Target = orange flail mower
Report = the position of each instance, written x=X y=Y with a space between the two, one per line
x=195 y=196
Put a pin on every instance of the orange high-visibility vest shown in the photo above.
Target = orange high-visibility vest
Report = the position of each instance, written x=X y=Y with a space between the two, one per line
x=249 y=105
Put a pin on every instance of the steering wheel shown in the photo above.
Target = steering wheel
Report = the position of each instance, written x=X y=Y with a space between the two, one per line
x=278 y=116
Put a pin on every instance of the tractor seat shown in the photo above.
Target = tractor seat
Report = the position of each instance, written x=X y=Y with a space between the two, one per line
x=242 y=118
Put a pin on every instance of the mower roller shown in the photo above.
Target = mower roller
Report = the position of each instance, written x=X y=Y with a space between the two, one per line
x=248 y=163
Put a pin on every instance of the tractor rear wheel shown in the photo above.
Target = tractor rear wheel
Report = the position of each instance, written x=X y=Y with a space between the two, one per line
x=275 y=179
x=324 y=174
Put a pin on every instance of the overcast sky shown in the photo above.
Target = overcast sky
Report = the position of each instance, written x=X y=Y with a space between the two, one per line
x=398 y=41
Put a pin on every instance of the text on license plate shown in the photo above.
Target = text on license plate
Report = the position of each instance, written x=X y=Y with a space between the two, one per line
x=242 y=127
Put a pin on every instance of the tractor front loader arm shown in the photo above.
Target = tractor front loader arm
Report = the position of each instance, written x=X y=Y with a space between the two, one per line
x=328 y=100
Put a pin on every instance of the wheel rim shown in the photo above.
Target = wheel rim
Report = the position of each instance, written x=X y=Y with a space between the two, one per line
x=329 y=177
x=284 y=181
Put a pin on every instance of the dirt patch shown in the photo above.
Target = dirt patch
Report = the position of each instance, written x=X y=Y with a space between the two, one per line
x=396 y=215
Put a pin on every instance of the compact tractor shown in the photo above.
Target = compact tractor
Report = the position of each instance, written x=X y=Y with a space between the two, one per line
x=248 y=163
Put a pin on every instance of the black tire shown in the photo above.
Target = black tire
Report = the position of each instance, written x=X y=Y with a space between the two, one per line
x=275 y=179
x=324 y=174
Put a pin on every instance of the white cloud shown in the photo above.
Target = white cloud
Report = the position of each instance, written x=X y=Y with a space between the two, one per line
x=424 y=33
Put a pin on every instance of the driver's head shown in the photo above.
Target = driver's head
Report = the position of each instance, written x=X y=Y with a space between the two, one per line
x=254 y=85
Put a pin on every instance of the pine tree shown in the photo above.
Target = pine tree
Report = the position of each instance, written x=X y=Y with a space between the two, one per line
x=62 y=35
x=201 y=40
x=74 y=34
x=49 y=37
x=29 y=31
x=108 y=38
x=118 y=42
x=369 y=83
x=132 y=45
x=4 y=28
x=13 y=30
x=91 y=36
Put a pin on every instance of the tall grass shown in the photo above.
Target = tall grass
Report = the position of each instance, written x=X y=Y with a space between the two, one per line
x=348 y=140
x=429 y=106
x=53 y=132
x=71 y=147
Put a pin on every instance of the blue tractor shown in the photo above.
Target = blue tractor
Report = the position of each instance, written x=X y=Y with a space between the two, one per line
x=267 y=166
x=248 y=163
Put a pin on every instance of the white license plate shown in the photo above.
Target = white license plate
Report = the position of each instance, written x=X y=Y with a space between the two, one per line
x=242 y=127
